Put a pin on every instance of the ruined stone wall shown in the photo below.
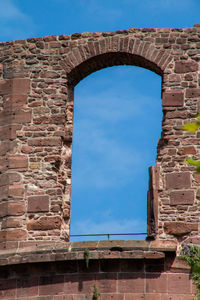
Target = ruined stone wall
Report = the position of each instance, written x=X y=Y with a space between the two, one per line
x=120 y=270
x=37 y=78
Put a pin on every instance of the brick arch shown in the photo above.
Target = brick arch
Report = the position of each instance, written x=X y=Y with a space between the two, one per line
x=107 y=52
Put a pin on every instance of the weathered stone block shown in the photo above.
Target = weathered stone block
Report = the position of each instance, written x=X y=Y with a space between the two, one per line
x=173 y=99
x=44 y=223
x=182 y=197
x=38 y=203
x=193 y=93
x=178 y=180
x=186 y=66
x=186 y=150
x=12 y=208
x=179 y=228
x=12 y=235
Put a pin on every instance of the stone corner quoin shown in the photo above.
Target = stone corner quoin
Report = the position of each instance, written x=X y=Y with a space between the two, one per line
x=37 y=80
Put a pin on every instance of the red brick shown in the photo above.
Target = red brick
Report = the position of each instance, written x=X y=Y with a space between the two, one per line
x=179 y=228
x=44 y=223
x=182 y=197
x=38 y=203
x=173 y=99
x=178 y=180
x=186 y=66
x=179 y=284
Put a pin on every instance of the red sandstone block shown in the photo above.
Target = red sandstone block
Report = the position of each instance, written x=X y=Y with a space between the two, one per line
x=18 y=161
x=27 y=287
x=66 y=297
x=44 y=223
x=13 y=102
x=178 y=180
x=11 y=223
x=193 y=92
x=14 y=86
x=7 y=289
x=38 y=203
x=196 y=177
x=12 y=235
x=179 y=284
x=156 y=283
x=131 y=283
x=134 y=296
x=18 y=117
x=12 y=209
x=187 y=150
x=9 y=178
x=7 y=146
x=53 y=141
x=16 y=190
x=179 y=297
x=107 y=282
x=79 y=284
x=53 y=285
x=112 y=297
x=9 y=131
x=179 y=228
x=173 y=99
x=181 y=197
x=186 y=66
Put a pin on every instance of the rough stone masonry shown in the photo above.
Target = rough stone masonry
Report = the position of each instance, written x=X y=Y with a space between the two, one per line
x=37 y=80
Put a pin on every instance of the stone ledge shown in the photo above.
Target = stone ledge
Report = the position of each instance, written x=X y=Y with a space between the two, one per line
x=75 y=251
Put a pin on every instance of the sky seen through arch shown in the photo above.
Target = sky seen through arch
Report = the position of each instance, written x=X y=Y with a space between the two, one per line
x=117 y=124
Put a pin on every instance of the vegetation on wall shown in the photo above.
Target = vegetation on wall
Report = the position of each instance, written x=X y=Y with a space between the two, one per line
x=96 y=293
x=193 y=127
x=191 y=253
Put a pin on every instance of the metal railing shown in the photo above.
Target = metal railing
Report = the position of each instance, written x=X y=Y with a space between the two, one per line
x=107 y=234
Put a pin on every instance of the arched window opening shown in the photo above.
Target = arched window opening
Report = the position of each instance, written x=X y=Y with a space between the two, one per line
x=117 y=124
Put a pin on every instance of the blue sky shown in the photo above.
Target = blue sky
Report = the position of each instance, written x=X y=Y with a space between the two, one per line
x=117 y=118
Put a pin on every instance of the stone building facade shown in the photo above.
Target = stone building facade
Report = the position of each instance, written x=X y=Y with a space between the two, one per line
x=37 y=80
